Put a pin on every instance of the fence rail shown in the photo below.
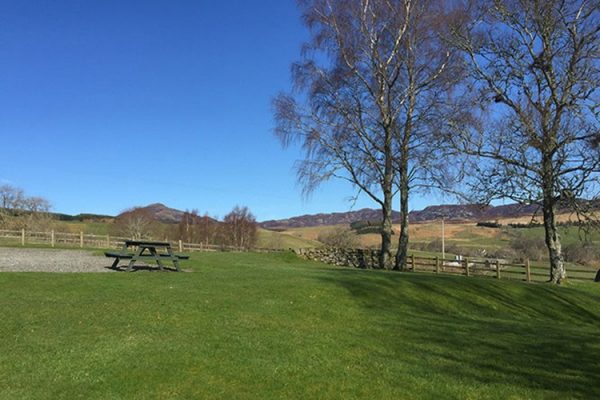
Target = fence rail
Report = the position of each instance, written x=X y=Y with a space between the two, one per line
x=499 y=269
x=86 y=240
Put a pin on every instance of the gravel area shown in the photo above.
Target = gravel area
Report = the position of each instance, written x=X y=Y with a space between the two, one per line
x=43 y=260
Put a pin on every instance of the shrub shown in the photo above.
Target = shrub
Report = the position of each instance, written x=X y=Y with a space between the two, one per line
x=338 y=237
x=529 y=225
x=532 y=248
x=366 y=227
x=582 y=253
x=434 y=245
x=505 y=253
x=360 y=224
x=370 y=229
x=488 y=224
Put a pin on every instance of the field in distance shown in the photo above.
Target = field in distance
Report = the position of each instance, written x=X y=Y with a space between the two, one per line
x=423 y=235
x=463 y=234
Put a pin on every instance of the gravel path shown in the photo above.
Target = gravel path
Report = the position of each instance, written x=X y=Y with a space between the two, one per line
x=42 y=260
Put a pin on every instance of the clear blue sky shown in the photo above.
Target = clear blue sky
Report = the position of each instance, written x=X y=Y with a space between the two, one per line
x=106 y=105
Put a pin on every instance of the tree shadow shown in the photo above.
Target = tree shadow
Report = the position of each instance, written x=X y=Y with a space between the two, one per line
x=477 y=329
x=137 y=268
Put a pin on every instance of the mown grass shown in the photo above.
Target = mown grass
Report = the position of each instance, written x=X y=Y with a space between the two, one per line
x=266 y=326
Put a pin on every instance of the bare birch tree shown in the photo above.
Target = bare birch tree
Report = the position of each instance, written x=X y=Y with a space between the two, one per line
x=194 y=228
x=187 y=228
x=11 y=197
x=534 y=68
x=429 y=71
x=135 y=223
x=17 y=210
x=240 y=228
x=358 y=88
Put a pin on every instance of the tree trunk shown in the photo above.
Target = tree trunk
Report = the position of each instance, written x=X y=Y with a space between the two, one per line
x=405 y=152
x=385 y=257
x=552 y=238
x=402 y=254
x=557 y=265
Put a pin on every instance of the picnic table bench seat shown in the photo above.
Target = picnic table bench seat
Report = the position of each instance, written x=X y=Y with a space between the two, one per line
x=115 y=254
x=128 y=256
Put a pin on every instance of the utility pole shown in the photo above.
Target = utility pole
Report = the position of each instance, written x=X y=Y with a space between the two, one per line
x=443 y=242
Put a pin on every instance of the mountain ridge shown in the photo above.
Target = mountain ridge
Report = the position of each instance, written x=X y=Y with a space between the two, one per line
x=450 y=212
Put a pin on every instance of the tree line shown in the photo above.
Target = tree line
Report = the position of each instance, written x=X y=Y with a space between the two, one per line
x=238 y=228
x=486 y=100
x=21 y=211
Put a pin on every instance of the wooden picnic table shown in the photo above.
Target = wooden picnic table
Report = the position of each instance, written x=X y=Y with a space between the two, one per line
x=146 y=251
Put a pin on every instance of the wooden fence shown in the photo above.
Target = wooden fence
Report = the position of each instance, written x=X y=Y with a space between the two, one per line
x=87 y=240
x=499 y=269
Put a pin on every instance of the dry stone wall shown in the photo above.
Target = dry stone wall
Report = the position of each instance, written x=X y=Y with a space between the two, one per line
x=358 y=258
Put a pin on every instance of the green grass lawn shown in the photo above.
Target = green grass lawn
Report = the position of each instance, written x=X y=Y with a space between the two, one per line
x=270 y=326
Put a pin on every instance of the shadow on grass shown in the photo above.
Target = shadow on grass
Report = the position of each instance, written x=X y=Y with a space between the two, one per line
x=481 y=331
x=137 y=268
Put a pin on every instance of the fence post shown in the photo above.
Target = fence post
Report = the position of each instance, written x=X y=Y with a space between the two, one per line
x=467 y=271
x=52 y=237
x=497 y=269
x=108 y=240
x=528 y=270
x=180 y=245
x=437 y=265
x=412 y=262
x=81 y=239
x=23 y=237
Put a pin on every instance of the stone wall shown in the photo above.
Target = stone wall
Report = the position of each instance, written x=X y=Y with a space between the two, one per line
x=358 y=258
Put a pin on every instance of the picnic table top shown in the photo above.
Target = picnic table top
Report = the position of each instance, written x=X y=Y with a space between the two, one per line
x=146 y=243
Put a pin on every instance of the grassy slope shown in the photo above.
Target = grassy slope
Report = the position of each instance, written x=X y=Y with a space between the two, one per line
x=464 y=234
x=568 y=234
x=278 y=240
x=271 y=326
x=89 y=227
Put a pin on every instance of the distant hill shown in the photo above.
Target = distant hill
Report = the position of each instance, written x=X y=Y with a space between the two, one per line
x=366 y=214
x=158 y=212
x=472 y=212
x=161 y=213
x=451 y=212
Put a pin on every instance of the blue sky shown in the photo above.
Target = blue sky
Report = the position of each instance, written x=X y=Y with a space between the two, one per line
x=112 y=104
